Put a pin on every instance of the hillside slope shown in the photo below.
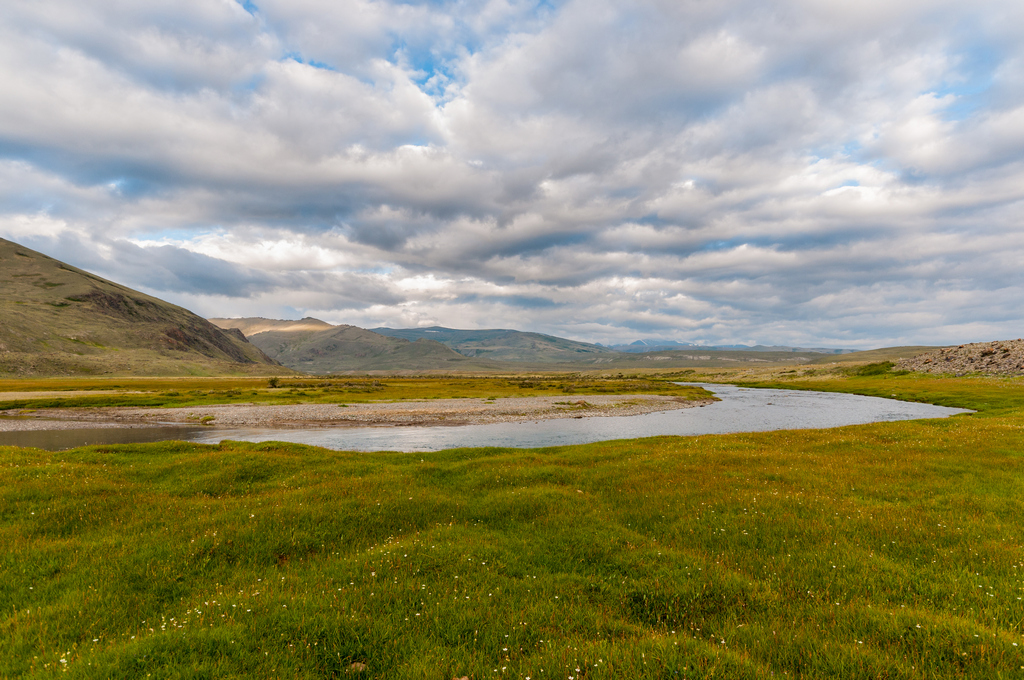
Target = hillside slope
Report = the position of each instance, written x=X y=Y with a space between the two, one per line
x=339 y=349
x=875 y=355
x=60 y=320
x=696 y=358
x=300 y=345
x=504 y=344
x=318 y=347
x=643 y=346
x=1005 y=357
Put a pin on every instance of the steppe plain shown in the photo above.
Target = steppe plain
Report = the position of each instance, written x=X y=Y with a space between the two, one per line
x=888 y=550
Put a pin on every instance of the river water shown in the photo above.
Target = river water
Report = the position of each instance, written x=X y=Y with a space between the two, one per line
x=741 y=409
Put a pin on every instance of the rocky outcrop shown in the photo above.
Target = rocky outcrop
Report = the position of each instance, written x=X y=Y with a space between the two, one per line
x=1004 y=357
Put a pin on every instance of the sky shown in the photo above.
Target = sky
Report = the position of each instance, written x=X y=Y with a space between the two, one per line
x=804 y=172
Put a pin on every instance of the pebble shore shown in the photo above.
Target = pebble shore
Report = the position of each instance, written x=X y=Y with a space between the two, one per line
x=423 y=412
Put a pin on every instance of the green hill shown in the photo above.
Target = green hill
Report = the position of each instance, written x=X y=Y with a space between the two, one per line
x=60 y=320
x=501 y=344
x=338 y=349
x=882 y=354
x=317 y=347
x=701 y=358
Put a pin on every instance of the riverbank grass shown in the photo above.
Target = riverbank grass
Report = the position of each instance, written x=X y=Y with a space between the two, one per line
x=183 y=392
x=891 y=550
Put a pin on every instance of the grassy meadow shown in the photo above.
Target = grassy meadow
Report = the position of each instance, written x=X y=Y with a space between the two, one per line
x=891 y=550
x=169 y=392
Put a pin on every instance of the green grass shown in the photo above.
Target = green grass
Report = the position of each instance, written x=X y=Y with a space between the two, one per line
x=988 y=394
x=880 y=551
x=159 y=392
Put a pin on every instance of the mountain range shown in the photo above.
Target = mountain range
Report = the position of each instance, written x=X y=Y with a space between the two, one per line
x=314 y=346
x=60 y=320
x=501 y=344
x=641 y=346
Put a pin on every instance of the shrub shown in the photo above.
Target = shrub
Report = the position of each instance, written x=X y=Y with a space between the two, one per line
x=881 y=368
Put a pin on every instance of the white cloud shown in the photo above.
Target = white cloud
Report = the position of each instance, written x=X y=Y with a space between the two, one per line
x=802 y=173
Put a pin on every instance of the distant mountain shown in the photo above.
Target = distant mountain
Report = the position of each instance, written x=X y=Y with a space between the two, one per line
x=704 y=357
x=783 y=348
x=661 y=343
x=641 y=346
x=314 y=346
x=652 y=346
x=60 y=320
x=503 y=344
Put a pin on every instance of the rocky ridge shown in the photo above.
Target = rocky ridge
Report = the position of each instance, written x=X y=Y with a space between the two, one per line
x=1002 y=357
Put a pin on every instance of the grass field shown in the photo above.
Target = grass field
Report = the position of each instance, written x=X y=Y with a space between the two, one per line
x=880 y=551
x=159 y=392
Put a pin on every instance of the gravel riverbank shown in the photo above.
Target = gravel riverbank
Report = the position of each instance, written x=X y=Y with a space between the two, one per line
x=425 y=412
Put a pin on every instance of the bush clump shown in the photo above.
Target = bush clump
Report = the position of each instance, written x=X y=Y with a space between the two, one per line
x=881 y=368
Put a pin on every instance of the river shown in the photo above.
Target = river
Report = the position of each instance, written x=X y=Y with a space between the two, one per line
x=741 y=409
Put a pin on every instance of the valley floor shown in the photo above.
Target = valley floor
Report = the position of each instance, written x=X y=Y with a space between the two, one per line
x=418 y=412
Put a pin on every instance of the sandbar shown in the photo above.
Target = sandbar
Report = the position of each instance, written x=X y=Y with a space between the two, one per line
x=414 y=412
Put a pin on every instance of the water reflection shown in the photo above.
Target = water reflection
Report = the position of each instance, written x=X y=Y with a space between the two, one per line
x=58 y=440
x=741 y=410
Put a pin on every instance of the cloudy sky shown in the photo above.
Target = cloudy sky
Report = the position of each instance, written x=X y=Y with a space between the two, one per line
x=803 y=172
